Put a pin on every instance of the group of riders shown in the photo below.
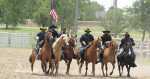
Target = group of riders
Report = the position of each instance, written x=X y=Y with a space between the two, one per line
x=85 y=40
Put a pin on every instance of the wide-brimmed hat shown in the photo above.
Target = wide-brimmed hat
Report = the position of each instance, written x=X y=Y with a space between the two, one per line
x=106 y=31
x=43 y=28
x=52 y=26
x=87 y=30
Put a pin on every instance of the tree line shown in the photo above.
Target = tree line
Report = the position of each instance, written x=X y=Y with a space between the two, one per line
x=14 y=12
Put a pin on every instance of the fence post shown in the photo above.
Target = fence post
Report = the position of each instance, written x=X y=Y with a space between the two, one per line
x=9 y=40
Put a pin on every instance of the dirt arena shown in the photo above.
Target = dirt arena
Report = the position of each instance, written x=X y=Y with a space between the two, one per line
x=14 y=64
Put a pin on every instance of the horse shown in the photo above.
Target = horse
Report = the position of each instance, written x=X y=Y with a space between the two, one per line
x=46 y=53
x=90 y=56
x=109 y=56
x=125 y=58
x=69 y=52
x=57 y=49
x=34 y=55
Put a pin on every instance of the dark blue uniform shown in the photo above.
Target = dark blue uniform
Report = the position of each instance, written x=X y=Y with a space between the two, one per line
x=41 y=36
x=126 y=40
x=106 y=37
x=87 y=38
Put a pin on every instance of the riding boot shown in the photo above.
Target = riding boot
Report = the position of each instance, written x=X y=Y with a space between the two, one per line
x=38 y=53
x=62 y=55
x=101 y=56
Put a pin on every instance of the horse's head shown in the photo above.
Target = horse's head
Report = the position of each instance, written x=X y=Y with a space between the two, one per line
x=96 y=42
x=72 y=41
x=63 y=39
x=49 y=37
x=127 y=45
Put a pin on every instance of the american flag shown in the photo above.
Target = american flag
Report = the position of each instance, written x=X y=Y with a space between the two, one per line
x=54 y=15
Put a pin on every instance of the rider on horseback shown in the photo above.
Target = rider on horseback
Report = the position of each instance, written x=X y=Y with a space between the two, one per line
x=52 y=29
x=40 y=39
x=85 y=39
x=55 y=35
x=125 y=40
x=106 y=38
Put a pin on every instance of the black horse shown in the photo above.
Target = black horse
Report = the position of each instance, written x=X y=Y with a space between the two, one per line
x=126 y=58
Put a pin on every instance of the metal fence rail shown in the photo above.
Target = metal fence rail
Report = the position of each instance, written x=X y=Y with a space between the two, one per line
x=16 y=40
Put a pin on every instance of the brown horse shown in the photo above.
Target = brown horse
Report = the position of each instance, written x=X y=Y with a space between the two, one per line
x=46 y=52
x=109 y=56
x=90 y=56
x=57 y=49
x=69 y=53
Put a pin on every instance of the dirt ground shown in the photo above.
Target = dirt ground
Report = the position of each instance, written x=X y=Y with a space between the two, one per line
x=14 y=64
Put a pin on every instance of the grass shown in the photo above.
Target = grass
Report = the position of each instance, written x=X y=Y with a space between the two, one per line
x=96 y=31
x=20 y=29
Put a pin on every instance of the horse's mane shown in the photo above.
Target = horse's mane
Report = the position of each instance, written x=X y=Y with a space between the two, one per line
x=56 y=43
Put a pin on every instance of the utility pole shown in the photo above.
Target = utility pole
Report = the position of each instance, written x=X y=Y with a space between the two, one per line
x=115 y=3
x=63 y=16
x=77 y=16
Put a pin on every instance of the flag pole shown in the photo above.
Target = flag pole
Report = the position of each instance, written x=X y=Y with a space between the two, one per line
x=53 y=6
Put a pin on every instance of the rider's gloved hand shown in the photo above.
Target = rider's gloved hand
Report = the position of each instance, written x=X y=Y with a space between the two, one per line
x=37 y=38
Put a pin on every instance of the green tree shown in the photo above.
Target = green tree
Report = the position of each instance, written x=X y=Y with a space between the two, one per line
x=41 y=15
x=12 y=12
x=115 y=20
x=141 y=16
x=88 y=10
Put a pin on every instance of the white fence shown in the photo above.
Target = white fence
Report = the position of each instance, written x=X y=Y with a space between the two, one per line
x=16 y=40
x=26 y=40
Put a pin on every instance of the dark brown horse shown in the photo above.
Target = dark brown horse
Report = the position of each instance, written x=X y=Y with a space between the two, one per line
x=90 y=56
x=68 y=52
x=109 y=56
x=46 y=53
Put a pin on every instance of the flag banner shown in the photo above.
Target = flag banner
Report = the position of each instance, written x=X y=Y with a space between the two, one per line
x=54 y=15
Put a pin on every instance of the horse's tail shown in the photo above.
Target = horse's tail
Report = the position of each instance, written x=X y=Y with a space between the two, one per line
x=30 y=59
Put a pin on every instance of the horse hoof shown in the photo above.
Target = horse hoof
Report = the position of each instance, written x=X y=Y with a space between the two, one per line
x=67 y=73
x=106 y=75
x=93 y=75
x=85 y=74
x=103 y=75
x=120 y=75
x=111 y=73
x=128 y=75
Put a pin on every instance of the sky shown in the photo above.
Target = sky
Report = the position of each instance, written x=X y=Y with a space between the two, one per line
x=121 y=3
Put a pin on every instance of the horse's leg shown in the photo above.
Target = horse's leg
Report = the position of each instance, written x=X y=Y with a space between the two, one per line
x=113 y=64
x=93 y=69
x=122 y=66
x=52 y=66
x=49 y=63
x=102 y=68
x=81 y=64
x=86 y=64
x=57 y=66
x=78 y=61
x=128 y=69
x=45 y=67
x=42 y=65
x=119 y=69
x=68 y=66
x=106 y=68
